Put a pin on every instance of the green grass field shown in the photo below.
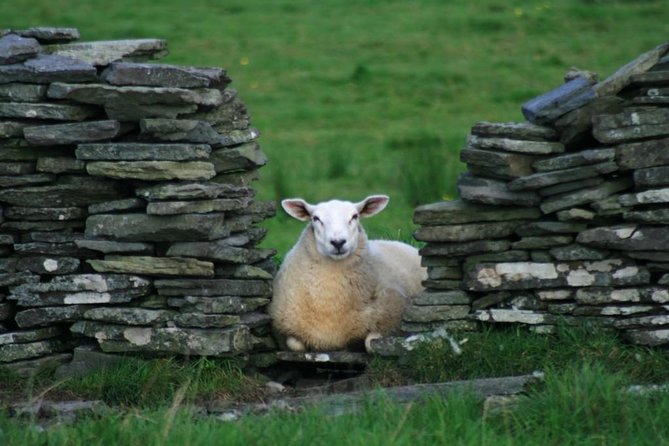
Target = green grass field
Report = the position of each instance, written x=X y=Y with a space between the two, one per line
x=376 y=96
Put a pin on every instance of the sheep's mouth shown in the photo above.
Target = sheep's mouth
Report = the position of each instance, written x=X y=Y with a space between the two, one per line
x=339 y=254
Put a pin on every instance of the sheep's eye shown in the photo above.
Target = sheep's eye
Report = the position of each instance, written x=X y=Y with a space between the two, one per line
x=315 y=219
x=354 y=218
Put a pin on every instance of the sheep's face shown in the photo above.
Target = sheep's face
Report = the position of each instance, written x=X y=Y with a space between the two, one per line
x=336 y=223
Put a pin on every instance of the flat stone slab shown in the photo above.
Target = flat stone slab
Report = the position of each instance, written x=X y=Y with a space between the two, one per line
x=608 y=295
x=577 y=252
x=642 y=154
x=129 y=315
x=431 y=313
x=217 y=304
x=515 y=130
x=46 y=34
x=546 y=179
x=530 y=275
x=455 y=297
x=234 y=159
x=176 y=130
x=24 y=336
x=201 y=320
x=112 y=247
x=103 y=53
x=152 y=170
x=651 y=177
x=14 y=49
x=581 y=158
x=465 y=248
x=101 y=94
x=192 y=191
x=12 y=129
x=575 y=127
x=588 y=195
x=152 y=266
x=125 y=204
x=213 y=287
x=547 y=108
x=466 y=232
x=501 y=164
x=336 y=357
x=487 y=191
x=60 y=134
x=48 y=265
x=631 y=124
x=627 y=237
x=162 y=75
x=48 y=68
x=18 y=352
x=654 y=216
x=649 y=337
x=149 y=228
x=142 y=151
x=60 y=164
x=514 y=316
x=459 y=211
x=515 y=145
x=623 y=76
x=571 y=186
x=66 y=192
x=197 y=207
x=650 y=196
x=52 y=112
x=542 y=242
x=170 y=340
x=219 y=250
x=45 y=316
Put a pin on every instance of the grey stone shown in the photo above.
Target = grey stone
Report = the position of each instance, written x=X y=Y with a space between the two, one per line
x=638 y=155
x=142 y=151
x=244 y=157
x=18 y=352
x=66 y=249
x=572 y=199
x=179 y=130
x=631 y=124
x=17 y=168
x=503 y=165
x=431 y=313
x=146 y=265
x=85 y=360
x=12 y=129
x=514 y=316
x=14 y=48
x=46 y=34
x=609 y=206
x=60 y=134
x=458 y=325
x=192 y=191
x=442 y=284
x=622 y=77
x=487 y=191
x=583 y=157
x=129 y=316
x=655 y=216
x=152 y=170
x=549 y=227
x=458 y=211
x=562 y=188
x=466 y=232
x=219 y=250
x=627 y=237
x=515 y=130
x=651 y=78
x=491 y=299
x=46 y=68
x=15 y=279
x=244 y=272
x=428 y=298
x=444 y=272
x=161 y=75
x=100 y=94
x=196 y=207
x=547 y=108
x=15 y=92
x=649 y=255
x=127 y=110
x=126 y=204
x=60 y=164
x=649 y=337
x=540 y=255
x=149 y=228
x=201 y=320
x=464 y=248
x=86 y=282
x=30 y=367
x=217 y=304
x=112 y=247
x=66 y=192
x=651 y=177
x=575 y=127
x=102 y=53
x=232 y=115
x=651 y=196
x=45 y=316
x=545 y=179
x=68 y=213
x=542 y=242
x=514 y=145
x=18 y=150
x=236 y=137
x=213 y=287
x=529 y=275
x=48 y=265
x=577 y=252
x=46 y=111
x=183 y=341
x=25 y=336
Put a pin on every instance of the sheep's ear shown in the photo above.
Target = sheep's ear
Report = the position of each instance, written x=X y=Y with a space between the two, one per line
x=372 y=205
x=297 y=208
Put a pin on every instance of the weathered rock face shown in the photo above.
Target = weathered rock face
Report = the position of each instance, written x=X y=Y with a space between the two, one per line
x=122 y=221
x=562 y=218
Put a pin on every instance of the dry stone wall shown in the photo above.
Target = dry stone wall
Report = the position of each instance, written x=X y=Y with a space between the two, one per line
x=128 y=218
x=564 y=217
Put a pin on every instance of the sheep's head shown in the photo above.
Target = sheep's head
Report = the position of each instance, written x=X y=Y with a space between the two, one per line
x=336 y=223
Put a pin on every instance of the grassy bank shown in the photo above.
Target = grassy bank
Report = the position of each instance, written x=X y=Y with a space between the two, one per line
x=355 y=98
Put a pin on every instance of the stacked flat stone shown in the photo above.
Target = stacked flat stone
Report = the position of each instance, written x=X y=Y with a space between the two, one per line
x=128 y=218
x=563 y=218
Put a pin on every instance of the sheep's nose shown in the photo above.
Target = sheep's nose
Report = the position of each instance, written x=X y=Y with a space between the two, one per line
x=338 y=244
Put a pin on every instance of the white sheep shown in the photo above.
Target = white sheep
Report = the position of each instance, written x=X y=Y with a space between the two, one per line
x=335 y=287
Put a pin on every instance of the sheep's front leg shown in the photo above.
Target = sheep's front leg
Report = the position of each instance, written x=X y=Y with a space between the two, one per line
x=295 y=344
x=368 y=341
